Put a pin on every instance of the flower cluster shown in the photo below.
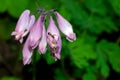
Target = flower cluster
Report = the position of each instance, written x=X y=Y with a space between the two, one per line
x=39 y=37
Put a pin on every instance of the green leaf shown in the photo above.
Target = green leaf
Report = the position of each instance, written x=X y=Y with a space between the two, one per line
x=65 y=13
x=96 y=6
x=32 y=6
x=105 y=70
x=102 y=63
x=110 y=26
x=116 y=5
x=3 y=5
x=81 y=53
x=89 y=76
x=97 y=25
x=59 y=75
x=38 y=56
x=78 y=14
x=49 y=58
x=10 y=78
x=114 y=56
x=16 y=7
x=64 y=52
x=113 y=53
x=89 y=39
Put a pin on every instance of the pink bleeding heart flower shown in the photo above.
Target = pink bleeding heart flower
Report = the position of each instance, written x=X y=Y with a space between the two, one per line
x=36 y=32
x=24 y=25
x=54 y=39
x=65 y=27
x=27 y=52
x=43 y=42
x=33 y=40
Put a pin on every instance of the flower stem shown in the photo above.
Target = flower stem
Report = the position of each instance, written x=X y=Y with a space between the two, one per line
x=34 y=66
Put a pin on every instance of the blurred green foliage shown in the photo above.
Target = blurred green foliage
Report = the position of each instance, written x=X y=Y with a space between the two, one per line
x=91 y=54
x=10 y=78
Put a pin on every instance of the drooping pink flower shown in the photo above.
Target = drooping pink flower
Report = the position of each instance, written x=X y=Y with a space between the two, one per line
x=43 y=42
x=27 y=52
x=65 y=27
x=33 y=40
x=54 y=39
x=36 y=32
x=38 y=37
x=24 y=25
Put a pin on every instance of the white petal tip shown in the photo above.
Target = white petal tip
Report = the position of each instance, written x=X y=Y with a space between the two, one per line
x=13 y=33
x=57 y=56
x=71 y=38
x=26 y=61
x=42 y=51
x=21 y=40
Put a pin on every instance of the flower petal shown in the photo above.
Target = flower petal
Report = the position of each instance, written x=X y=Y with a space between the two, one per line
x=27 y=53
x=23 y=26
x=43 y=42
x=36 y=32
x=65 y=27
x=54 y=39
x=31 y=23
